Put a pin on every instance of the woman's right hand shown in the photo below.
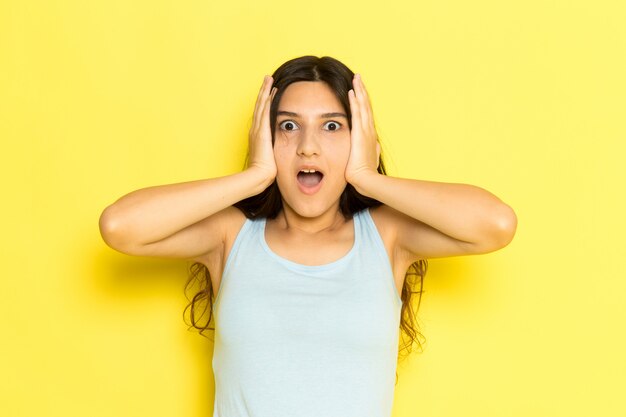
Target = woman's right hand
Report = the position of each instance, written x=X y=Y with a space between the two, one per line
x=260 y=138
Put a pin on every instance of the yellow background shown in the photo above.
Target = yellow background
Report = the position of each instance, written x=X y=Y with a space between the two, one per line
x=525 y=99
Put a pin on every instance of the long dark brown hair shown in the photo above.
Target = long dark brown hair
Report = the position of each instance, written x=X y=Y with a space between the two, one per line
x=268 y=203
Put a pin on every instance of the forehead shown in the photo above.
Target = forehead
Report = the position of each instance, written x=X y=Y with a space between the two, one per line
x=309 y=97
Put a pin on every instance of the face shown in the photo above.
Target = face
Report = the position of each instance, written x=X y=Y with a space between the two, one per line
x=311 y=131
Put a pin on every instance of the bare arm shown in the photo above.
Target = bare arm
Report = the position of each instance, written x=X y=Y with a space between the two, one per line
x=469 y=219
x=430 y=219
x=151 y=214
x=185 y=219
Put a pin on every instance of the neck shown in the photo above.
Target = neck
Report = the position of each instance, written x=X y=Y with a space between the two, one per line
x=329 y=220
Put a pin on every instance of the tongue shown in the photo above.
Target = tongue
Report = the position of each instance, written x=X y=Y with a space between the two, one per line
x=309 y=179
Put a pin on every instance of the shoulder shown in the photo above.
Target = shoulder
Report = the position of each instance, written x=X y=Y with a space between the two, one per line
x=228 y=222
x=412 y=239
x=233 y=220
x=386 y=218
x=393 y=227
x=389 y=220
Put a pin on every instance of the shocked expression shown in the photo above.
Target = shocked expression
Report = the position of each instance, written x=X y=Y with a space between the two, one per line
x=311 y=147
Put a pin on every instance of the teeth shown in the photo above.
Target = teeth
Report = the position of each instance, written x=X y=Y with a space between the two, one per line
x=308 y=170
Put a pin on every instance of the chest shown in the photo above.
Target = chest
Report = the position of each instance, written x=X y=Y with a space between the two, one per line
x=318 y=250
x=309 y=250
x=266 y=289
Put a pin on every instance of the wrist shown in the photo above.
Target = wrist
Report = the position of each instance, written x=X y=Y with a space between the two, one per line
x=363 y=182
x=262 y=178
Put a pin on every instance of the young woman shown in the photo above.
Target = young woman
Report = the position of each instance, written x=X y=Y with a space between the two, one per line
x=308 y=249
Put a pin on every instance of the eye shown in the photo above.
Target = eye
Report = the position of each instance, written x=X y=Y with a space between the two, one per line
x=336 y=125
x=287 y=125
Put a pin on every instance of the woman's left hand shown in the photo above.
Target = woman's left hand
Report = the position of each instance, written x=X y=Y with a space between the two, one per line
x=364 y=146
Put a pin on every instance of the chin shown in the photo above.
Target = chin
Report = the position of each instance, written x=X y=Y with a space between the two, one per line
x=314 y=205
x=310 y=209
x=307 y=210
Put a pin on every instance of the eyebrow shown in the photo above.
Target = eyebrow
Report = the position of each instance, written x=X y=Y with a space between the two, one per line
x=323 y=115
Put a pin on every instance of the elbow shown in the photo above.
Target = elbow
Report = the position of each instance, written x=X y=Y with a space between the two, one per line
x=115 y=233
x=505 y=225
x=109 y=227
x=500 y=232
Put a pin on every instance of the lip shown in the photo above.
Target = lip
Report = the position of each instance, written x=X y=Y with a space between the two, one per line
x=310 y=190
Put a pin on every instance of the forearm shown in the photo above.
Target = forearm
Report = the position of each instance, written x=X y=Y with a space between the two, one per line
x=151 y=214
x=464 y=212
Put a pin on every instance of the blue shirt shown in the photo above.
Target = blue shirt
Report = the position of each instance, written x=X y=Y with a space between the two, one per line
x=295 y=340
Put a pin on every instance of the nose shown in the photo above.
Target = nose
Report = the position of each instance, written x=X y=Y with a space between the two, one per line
x=308 y=144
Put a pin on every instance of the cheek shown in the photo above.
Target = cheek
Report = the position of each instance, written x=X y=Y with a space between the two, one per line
x=339 y=154
x=280 y=142
x=280 y=137
x=340 y=148
x=282 y=157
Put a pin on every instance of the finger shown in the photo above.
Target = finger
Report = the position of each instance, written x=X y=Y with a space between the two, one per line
x=366 y=99
x=260 y=94
x=261 y=100
x=273 y=94
x=268 y=100
x=267 y=106
x=361 y=100
x=354 y=109
x=367 y=105
x=266 y=95
x=356 y=86
x=255 y=112
x=266 y=80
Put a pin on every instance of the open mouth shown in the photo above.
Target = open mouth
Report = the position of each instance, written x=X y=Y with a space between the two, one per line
x=310 y=178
